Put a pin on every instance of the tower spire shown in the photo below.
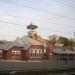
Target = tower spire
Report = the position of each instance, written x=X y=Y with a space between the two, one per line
x=31 y=29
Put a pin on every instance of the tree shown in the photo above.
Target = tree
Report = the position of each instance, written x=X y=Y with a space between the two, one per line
x=71 y=42
x=53 y=39
x=63 y=40
x=66 y=41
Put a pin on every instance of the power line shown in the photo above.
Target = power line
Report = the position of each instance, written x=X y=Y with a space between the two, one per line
x=41 y=21
x=64 y=4
x=39 y=27
x=11 y=23
x=39 y=10
x=54 y=30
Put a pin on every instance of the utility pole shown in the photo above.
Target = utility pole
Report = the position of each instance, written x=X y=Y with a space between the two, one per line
x=74 y=36
x=74 y=41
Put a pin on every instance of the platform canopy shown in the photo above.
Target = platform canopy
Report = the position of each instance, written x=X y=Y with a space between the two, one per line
x=60 y=51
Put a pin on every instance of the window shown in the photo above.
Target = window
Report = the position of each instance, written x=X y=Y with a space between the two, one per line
x=40 y=51
x=13 y=52
x=35 y=53
x=18 y=52
x=31 y=53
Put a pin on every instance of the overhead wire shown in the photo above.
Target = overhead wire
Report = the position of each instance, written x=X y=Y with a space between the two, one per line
x=64 y=3
x=39 y=27
x=52 y=13
x=49 y=22
x=37 y=10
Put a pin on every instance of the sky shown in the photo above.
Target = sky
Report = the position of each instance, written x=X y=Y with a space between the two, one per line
x=51 y=17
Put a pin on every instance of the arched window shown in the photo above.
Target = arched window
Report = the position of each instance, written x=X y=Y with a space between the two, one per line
x=35 y=53
x=31 y=53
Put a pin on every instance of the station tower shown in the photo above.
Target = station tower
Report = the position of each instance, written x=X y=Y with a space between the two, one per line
x=31 y=30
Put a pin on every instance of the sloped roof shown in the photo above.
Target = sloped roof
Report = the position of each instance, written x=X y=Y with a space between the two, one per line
x=61 y=51
x=28 y=42
x=8 y=45
x=24 y=42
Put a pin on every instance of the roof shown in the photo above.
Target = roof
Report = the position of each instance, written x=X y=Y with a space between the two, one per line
x=28 y=42
x=61 y=51
x=8 y=45
x=24 y=42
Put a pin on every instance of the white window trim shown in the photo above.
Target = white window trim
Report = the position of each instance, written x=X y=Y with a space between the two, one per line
x=13 y=52
x=18 y=52
x=38 y=51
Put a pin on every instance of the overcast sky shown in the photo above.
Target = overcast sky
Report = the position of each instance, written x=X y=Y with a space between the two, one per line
x=51 y=16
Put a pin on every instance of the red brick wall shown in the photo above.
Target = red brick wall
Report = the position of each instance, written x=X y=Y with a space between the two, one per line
x=8 y=53
x=23 y=55
x=50 y=47
x=4 y=54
